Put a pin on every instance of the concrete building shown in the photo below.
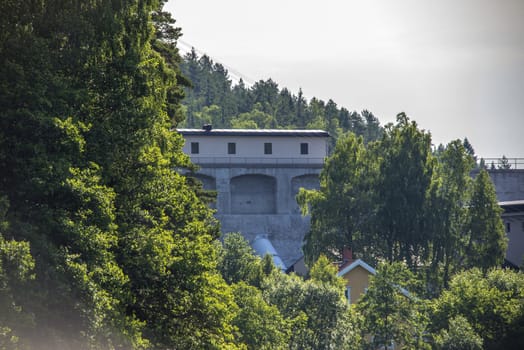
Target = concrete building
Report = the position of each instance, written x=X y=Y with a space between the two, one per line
x=257 y=174
x=513 y=217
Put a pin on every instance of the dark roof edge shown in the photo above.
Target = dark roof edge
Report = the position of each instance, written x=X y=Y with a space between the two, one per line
x=253 y=132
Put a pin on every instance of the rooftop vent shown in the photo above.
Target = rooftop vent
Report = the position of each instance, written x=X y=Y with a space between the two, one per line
x=207 y=127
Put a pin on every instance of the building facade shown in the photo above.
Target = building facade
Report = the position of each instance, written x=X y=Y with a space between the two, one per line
x=513 y=218
x=257 y=174
x=509 y=186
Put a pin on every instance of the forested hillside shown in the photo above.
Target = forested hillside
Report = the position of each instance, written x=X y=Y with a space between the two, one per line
x=212 y=98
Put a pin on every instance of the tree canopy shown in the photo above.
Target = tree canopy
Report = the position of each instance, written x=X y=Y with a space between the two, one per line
x=122 y=246
x=396 y=199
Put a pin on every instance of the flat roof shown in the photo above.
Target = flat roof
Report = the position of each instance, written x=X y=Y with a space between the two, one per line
x=253 y=132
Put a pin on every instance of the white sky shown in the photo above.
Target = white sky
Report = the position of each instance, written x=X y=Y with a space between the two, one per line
x=454 y=66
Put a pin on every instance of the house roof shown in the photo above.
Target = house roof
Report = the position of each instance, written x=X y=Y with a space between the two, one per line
x=253 y=132
x=354 y=264
x=368 y=268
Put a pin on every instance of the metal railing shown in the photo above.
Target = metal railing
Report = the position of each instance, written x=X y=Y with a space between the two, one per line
x=503 y=163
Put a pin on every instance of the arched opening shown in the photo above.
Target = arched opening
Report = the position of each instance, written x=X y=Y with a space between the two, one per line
x=253 y=194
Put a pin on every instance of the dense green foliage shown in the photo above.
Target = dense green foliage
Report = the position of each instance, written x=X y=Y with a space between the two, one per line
x=459 y=336
x=491 y=302
x=285 y=311
x=397 y=200
x=339 y=209
x=122 y=247
x=392 y=312
x=16 y=265
x=479 y=310
x=214 y=99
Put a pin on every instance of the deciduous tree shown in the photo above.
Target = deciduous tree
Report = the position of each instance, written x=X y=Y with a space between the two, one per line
x=492 y=302
x=392 y=312
x=341 y=208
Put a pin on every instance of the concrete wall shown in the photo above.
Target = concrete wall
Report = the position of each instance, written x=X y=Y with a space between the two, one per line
x=260 y=200
x=509 y=184
x=253 y=194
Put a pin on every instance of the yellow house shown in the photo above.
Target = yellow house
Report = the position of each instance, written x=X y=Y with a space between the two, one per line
x=356 y=275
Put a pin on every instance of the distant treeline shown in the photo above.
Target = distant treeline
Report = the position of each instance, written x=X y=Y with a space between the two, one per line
x=214 y=99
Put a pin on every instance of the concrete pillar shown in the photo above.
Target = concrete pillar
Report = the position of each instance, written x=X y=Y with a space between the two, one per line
x=223 y=191
x=283 y=191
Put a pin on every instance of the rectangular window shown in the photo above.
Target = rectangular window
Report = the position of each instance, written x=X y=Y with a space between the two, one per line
x=195 y=149
x=508 y=227
x=268 y=148
x=231 y=148
x=304 y=148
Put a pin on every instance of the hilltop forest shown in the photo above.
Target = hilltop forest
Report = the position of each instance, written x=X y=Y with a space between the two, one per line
x=212 y=98
x=105 y=245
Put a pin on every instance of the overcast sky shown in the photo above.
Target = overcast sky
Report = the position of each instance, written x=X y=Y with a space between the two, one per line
x=454 y=66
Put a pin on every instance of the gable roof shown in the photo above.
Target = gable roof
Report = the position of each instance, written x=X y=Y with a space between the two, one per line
x=368 y=268
x=354 y=264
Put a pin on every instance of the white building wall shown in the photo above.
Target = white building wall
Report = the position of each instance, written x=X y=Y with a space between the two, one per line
x=253 y=147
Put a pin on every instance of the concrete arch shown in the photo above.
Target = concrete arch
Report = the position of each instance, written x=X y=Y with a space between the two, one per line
x=253 y=194
x=308 y=181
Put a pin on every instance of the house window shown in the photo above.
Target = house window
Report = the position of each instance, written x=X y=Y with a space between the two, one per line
x=508 y=227
x=195 y=149
x=304 y=148
x=347 y=294
x=268 y=148
x=231 y=148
